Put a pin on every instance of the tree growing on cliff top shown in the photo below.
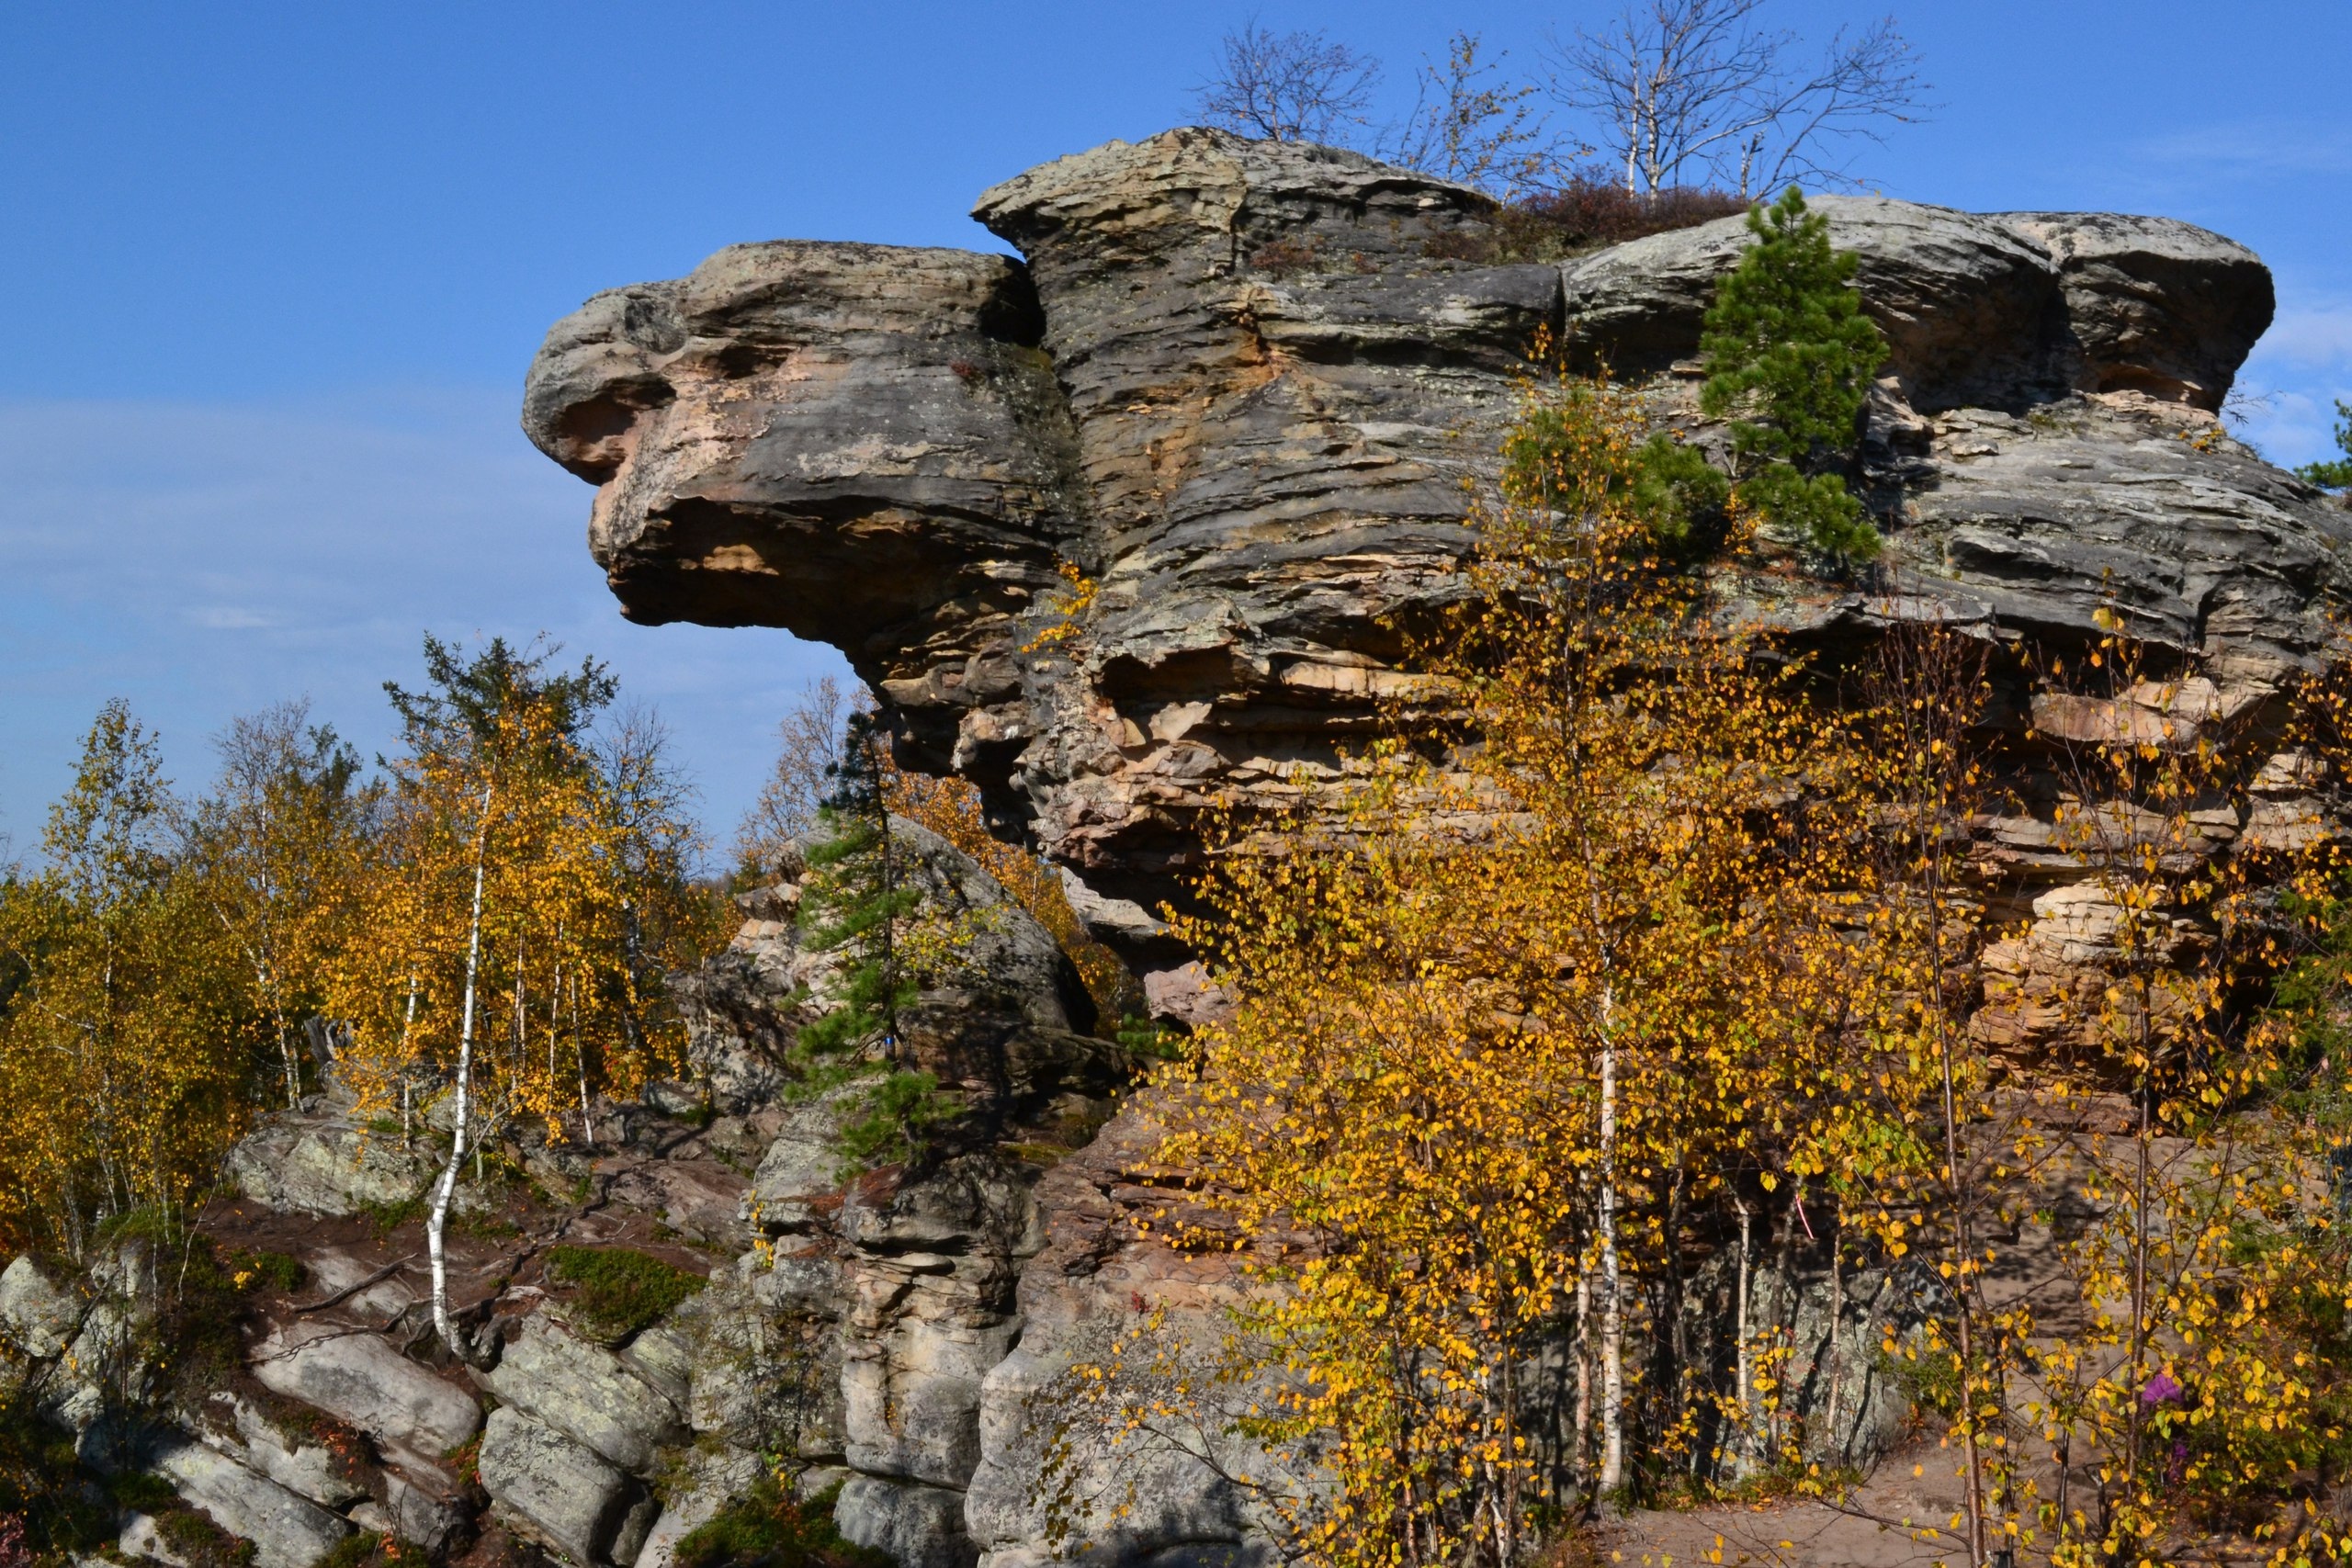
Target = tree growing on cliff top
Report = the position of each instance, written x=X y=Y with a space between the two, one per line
x=2333 y=473
x=1294 y=86
x=1789 y=359
x=1697 y=92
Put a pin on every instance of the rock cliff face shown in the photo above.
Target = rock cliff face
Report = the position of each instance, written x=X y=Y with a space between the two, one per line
x=1246 y=390
x=1243 y=390
x=1241 y=386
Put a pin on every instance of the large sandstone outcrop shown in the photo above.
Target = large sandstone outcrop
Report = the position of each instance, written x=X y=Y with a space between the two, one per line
x=1248 y=391
x=1240 y=386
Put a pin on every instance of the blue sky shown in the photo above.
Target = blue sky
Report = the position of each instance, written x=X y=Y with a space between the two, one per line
x=275 y=272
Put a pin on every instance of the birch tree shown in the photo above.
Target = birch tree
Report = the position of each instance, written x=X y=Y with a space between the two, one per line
x=273 y=845
x=528 y=897
x=1687 y=92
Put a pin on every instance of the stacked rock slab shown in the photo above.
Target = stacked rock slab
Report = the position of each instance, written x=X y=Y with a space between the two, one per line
x=1245 y=391
x=1239 y=385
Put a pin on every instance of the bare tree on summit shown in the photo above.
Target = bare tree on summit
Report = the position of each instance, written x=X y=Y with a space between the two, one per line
x=1473 y=124
x=1691 y=90
x=1294 y=86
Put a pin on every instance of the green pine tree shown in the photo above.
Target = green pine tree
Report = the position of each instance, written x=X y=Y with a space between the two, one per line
x=2333 y=473
x=1789 y=358
x=856 y=902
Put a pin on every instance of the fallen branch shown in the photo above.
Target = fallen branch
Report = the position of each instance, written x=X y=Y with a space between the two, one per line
x=386 y=1272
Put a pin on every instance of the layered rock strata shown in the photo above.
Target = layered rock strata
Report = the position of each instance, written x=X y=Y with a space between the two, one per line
x=1243 y=389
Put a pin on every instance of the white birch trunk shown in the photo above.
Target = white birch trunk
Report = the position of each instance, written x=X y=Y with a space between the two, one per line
x=436 y=1223
x=1612 y=1319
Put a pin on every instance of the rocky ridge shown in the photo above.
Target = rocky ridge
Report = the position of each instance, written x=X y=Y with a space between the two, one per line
x=842 y=1318
x=1240 y=387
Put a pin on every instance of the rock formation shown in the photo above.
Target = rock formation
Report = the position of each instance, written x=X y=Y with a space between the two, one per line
x=1240 y=386
x=1243 y=392
x=1246 y=390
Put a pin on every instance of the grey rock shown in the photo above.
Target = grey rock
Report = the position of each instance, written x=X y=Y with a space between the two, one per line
x=355 y=1377
x=1268 y=385
x=710 y=1482
x=803 y=1164
x=767 y=1354
x=287 y=1530
x=563 y=1491
x=919 y=1526
x=664 y=1358
x=1000 y=1025
x=585 y=1392
x=238 y=1428
x=320 y=1160
x=2043 y=519
x=141 y=1537
x=1972 y=311
x=100 y=1373
x=2158 y=306
x=38 y=1318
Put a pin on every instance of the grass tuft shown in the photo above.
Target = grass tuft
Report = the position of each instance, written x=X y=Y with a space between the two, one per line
x=618 y=1292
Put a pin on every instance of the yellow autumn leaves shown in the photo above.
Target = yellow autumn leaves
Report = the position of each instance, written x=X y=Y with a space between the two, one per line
x=174 y=967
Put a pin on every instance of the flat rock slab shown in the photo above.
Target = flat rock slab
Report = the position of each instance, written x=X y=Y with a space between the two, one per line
x=355 y=1376
x=287 y=1531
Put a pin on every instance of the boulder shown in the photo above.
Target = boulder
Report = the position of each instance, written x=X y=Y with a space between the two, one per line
x=318 y=1159
x=287 y=1530
x=708 y=1482
x=585 y=1392
x=563 y=1491
x=39 y=1319
x=312 y=1470
x=355 y=1377
x=2158 y=306
x=918 y=1527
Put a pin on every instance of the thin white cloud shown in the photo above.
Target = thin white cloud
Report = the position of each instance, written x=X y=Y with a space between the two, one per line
x=229 y=619
x=2272 y=147
x=203 y=560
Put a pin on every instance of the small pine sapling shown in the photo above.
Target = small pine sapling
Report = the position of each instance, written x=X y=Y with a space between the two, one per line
x=858 y=900
x=2333 y=473
x=1789 y=358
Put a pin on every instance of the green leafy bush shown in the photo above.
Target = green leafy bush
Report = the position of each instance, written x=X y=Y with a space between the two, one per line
x=618 y=1292
x=771 y=1528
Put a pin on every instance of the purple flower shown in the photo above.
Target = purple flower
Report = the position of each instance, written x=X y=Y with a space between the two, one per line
x=2161 y=1390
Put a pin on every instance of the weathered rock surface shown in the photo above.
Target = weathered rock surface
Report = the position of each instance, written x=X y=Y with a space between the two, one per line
x=1260 y=384
x=585 y=1392
x=320 y=1160
x=287 y=1530
x=563 y=1491
x=357 y=1377
x=40 y=1318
